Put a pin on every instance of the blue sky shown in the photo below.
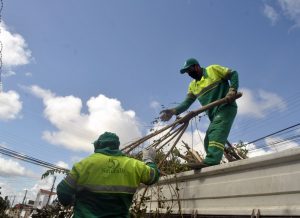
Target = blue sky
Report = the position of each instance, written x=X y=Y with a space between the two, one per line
x=73 y=69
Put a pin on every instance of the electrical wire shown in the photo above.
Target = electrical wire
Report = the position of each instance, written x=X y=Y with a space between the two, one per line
x=29 y=159
x=298 y=124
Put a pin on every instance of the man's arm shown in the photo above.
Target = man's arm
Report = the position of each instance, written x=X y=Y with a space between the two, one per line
x=183 y=106
x=65 y=193
x=154 y=174
x=66 y=189
x=234 y=85
x=149 y=159
x=234 y=80
x=226 y=73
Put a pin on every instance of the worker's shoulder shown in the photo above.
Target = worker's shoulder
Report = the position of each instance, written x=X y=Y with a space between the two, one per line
x=212 y=66
x=128 y=158
x=216 y=69
x=135 y=162
x=103 y=157
x=90 y=158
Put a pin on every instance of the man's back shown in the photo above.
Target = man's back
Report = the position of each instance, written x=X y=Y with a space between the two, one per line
x=104 y=183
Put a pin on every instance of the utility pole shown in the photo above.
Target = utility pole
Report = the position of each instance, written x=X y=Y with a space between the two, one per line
x=13 y=201
x=24 y=197
x=51 y=191
x=21 y=208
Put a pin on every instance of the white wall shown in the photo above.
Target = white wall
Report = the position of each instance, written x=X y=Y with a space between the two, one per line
x=270 y=183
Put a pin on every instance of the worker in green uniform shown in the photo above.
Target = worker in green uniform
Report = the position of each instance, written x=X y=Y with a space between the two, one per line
x=210 y=84
x=103 y=184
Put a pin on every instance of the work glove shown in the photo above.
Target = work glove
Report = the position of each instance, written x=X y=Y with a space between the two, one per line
x=167 y=114
x=149 y=155
x=230 y=96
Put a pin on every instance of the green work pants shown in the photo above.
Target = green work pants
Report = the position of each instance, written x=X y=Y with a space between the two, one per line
x=217 y=133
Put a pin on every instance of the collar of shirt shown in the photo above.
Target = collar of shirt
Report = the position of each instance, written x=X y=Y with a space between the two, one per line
x=108 y=151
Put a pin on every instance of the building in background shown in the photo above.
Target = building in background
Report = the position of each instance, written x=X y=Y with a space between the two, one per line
x=42 y=198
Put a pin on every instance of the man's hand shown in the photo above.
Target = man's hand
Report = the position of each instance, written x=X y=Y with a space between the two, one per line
x=230 y=96
x=149 y=155
x=167 y=114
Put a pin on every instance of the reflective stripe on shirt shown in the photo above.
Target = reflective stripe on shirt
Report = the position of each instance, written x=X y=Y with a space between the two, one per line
x=70 y=181
x=207 y=88
x=103 y=188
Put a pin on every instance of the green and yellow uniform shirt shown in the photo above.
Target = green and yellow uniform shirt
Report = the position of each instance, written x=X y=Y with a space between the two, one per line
x=213 y=85
x=104 y=184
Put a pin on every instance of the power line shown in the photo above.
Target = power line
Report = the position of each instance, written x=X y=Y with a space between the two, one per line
x=293 y=103
x=283 y=145
x=298 y=124
x=29 y=159
x=284 y=139
x=261 y=125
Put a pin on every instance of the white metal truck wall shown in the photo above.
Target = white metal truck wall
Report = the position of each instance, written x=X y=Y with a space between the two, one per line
x=270 y=183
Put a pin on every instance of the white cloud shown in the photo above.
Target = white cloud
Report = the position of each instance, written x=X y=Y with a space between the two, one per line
x=254 y=150
x=10 y=105
x=270 y=13
x=15 y=50
x=45 y=184
x=11 y=168
x=280 y=144
x=41 y=93
x=34 y=186
x=291 y=9
x=15 y=188
x=75 y=129
x=8 y=73
x=3 y=144
x=194 y=140
x=270 y=145
x=258 y=103
x=9 y=190
x=155 y=105
x=62 y=164
x=29 y=74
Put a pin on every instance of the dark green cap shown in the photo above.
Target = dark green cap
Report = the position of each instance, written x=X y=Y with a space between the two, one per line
x=189 y=62
x=107 y=139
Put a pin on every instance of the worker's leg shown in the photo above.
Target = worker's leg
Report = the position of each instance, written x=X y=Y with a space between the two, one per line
x=217 y=133
x=206 y=141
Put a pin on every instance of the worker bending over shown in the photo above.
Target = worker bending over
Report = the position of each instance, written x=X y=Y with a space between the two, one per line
x=210 y=84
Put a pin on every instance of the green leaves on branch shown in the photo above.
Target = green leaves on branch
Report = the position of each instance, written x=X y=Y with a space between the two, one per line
x=52 y=172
